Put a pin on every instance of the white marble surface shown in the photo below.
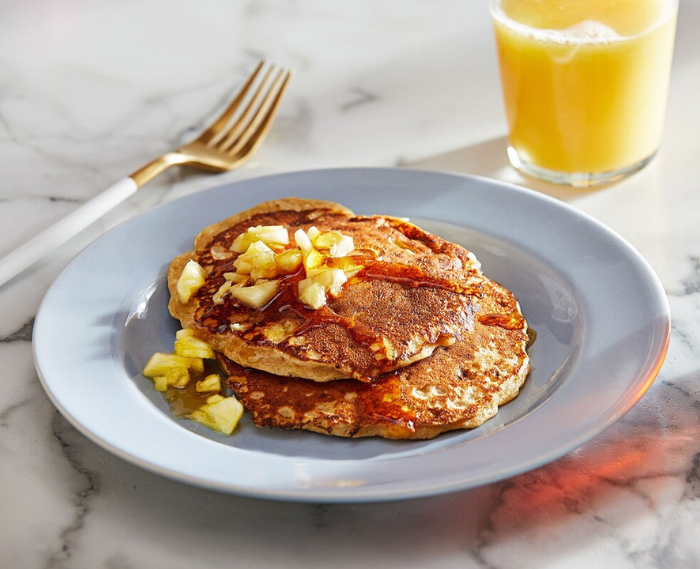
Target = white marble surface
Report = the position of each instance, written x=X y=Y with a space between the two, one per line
x=91 y=90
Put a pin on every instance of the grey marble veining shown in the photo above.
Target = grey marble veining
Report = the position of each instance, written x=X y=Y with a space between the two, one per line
x=91 y=91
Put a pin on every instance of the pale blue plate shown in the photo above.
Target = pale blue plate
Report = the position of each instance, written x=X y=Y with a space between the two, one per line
x=600 y=314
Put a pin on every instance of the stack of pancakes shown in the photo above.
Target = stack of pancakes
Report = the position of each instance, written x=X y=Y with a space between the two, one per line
x=417 y=342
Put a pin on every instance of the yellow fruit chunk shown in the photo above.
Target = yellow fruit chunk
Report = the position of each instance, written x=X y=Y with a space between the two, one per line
x=210 y=383
x=192 y=347
x=330 y=279
x=190 y=281
x=312 y=293
x=337 y=244
x=303 y=241
x=288 y=261
x=221 y=415
x=264 y=267
x=307 y=250
x=196 y=365
x=161 y=364
x=272 y=235
x=313 y=233
x=219 y=295
x=236 y=277
x=257 y=295
x=313 y=259
x=259 y=256
x=175 y=377
x=349 y=265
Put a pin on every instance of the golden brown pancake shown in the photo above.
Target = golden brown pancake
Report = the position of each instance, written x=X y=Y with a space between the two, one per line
x=414 y=293
x=457 y=387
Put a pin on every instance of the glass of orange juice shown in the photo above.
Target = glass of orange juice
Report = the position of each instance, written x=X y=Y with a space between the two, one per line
x=585 y=84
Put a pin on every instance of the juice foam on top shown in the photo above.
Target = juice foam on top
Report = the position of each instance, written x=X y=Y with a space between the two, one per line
x=589 y=31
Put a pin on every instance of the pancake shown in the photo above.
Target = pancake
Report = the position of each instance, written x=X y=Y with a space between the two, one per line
x=457 y=387
x=411 y=293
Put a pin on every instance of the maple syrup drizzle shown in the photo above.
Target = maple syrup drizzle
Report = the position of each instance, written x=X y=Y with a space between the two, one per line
x=511 y=321
x=217 y=318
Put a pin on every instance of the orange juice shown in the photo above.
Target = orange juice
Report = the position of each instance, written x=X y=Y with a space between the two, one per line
x=584 y=83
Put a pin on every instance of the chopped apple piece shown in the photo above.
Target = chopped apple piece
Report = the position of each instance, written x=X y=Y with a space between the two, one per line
x=182 y=333
x=313 y=233
x=177 y=377
x=190 y=281
x=288 y=261
x=337 y=244
x=196 y=365
x=272 y=235
x=257 y=295
x=222 y=415
x=219 y=295
x=192 y=347
x=331 y=279
x=309 y=255
x=236 y=277
x=312 y=293
x=303 y=241
x=348 y=265
x=210 y=383
x=313 y=259
x=161 y=364
x=258 y=254
x=264 y=267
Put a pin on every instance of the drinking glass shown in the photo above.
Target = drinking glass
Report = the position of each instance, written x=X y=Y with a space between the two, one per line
x=585 y=84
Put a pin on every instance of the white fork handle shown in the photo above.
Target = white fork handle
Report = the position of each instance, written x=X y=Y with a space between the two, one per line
x=55 y=235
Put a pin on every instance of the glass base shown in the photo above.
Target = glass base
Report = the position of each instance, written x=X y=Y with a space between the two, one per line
x=574 y=179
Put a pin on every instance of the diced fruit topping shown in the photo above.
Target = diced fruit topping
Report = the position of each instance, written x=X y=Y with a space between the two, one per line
x=178 y=370
x=312 y=294
x=236 y=277
x=337 y=244
x=219 y=295
x=192 y=347
x=263 y=257
x=319 y=282
x=258 y=254
x=161 y=364
x=288 y=261
x=302 y=239
x=210 y=383
x=221 y=414
x=275 y=236
x=257 y=295
x=190 y=281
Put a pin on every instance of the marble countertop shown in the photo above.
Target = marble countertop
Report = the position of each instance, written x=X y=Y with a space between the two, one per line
x=92 y=90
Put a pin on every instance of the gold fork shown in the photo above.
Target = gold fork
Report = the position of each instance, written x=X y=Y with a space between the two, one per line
x=230 y=140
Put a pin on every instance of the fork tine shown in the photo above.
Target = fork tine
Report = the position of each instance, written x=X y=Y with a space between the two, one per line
x=225 y=139
x=222 y=120
x=257 y=130
x=263 y=115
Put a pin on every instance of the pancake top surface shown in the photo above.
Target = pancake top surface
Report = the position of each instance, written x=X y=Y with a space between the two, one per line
x=412 y=294
x=457 y=387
